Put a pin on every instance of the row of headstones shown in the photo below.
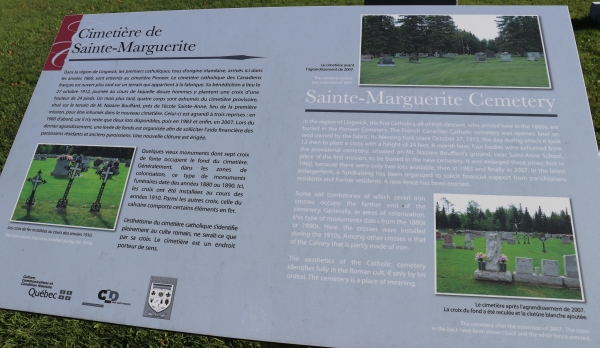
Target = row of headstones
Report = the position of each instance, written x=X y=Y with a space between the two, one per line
x=550 y=274
x=61 y=168
x=449 y=240
x=508 y=236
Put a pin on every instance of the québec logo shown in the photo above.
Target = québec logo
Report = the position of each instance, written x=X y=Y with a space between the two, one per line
x=61 y=295
x=108 y=296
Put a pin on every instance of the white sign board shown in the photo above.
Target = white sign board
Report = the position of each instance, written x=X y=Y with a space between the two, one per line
x=247 y=173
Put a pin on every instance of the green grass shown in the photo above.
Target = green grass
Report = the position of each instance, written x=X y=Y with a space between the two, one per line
x=455 y=268
x=27 y=31
x=457 y=71
x=82 y=194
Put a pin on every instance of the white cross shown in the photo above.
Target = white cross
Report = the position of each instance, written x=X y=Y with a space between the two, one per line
x=36 y=181
x=75 y=170
x=106 y=174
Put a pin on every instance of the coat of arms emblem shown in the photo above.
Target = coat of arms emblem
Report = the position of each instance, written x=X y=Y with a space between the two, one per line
x=160 y=296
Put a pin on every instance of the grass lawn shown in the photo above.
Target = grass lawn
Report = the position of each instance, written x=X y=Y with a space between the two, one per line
x=82 y=194
x=455 y=268
x=457 y=71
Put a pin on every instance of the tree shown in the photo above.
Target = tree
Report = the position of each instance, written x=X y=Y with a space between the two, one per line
x=378 y=34
x=519 y=34
x=412 y=33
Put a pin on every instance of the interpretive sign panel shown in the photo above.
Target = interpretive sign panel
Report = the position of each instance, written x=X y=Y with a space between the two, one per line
x=212 y=177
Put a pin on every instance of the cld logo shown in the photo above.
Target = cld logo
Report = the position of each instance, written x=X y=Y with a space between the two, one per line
x=108 y=296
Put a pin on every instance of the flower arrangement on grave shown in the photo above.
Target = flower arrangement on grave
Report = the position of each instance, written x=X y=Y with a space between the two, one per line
x=503 y=259
x=65 y=157
x=480 y=258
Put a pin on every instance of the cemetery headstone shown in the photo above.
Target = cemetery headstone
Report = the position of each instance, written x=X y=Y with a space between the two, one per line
x=510 y=241
x=550 y=268
x=505 y=57
x=413 y=59
x=570 y=263
x=62 y=165
x=480 y=57
x=436 y=54
x=490 y=54
x=531 y=56
x=537 y=271
x=386 y=61
x=438 y=235
x=366 y=58
x=524 y=265
x=493 y=246
x=565 y=240
x=448 y=242
x=397 y=55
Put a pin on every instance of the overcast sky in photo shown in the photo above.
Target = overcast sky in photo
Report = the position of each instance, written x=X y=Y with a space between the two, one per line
x=548 y=204
x=482 y=26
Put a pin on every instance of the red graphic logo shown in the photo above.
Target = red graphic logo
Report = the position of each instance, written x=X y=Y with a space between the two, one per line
x=62 y=43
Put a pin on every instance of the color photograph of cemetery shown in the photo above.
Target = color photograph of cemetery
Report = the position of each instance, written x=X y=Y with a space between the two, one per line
x=506 y=246
x=454 y=50
x=74 y=185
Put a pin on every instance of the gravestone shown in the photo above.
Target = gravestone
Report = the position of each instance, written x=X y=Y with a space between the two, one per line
x=438 y=235
x=505 y=235
x=550 y=268
x=571 y=279
x=548 y=235
x=436 y=54
x=531 y=56
x=127 y=164
x=413 y=59
x=490 y=54
x=570 y=263
x=61 y=168
x=480 y=57
x=492 y=265
x=366 y=58
x=43 y=158
x=447 y=55
x=448 y=242
x=524 y=265
x=397 y=55
x=493 y=246
x=510 y=241
x=505 y=57
x=565 y=240
x=386 y=61
x=468 y=237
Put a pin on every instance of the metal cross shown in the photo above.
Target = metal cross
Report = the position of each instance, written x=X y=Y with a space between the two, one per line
x=30 y=202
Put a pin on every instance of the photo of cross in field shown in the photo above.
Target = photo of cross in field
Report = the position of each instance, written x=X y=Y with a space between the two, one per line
x=453 y=50
x=506 y=246
x=74 y=185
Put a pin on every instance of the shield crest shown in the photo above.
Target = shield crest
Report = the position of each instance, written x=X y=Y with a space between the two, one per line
x=160 y=296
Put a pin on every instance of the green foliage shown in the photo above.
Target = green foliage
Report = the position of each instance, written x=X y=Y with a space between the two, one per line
x=455 y=268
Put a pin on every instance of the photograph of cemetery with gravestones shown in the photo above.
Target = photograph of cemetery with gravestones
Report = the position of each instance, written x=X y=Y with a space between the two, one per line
x=453 y=50
x=74 y=185
x=506 y=246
